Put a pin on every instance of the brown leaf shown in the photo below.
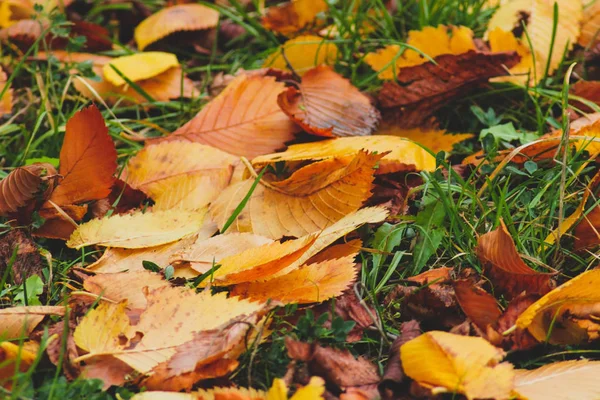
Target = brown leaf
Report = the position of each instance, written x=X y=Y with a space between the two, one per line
x=57 y=347
x=505 y=268
x=589 y=90
x=28 y=260
x=25 y=186
x=393 y=376
x=88 y=160
x=422 y=89
x=327 y=104
x=519 y=339
x=477 y=304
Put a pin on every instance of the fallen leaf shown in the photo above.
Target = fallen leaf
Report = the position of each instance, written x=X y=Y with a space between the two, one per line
x=27 y=258
x=293 y=16
x=538 y=17
x=7 y=98
x=182 y=17
x=458 y=364
x=88 y=160
x=302 y=54
x=589 y=90
x=16 y=322
x=327 y=104
x=139 y=66
x=435 y=140
x=523 y=71
x=559 y=380
x=400 y=154
x=26 y=186
x=236 y=122
x=505 y=268
x=589 y=26
x=519 y=339
x=138 y=230
x=422 y=89
x=477 y=304
x=180 y=174
x=430 y=41
x=274 y=213
x=551 y=317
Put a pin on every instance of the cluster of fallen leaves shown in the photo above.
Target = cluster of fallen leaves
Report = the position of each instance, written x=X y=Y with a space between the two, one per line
x=206 y=230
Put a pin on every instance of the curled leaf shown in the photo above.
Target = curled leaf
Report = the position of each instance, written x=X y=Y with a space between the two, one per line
x=26 y=185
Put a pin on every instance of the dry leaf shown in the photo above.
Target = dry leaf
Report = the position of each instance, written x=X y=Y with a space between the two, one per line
x=182 y=17
x=138 y=230
x=88 y=160
x=16 y=322
x=430 y=41
x=302 y=54
x=422 y=89
x=553 y=318
x=477 y=304
x=505 y=268
x=446 y=362
x=274 y=213
x=327 y=104
x=400 y=154
x=538 y=17
x=293 y=16
x=25 y=186
x=435 y=140
x=180 y=174
x=243 y=120
x=6 y=99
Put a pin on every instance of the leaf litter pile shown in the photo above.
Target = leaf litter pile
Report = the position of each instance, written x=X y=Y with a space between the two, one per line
x=244 y=200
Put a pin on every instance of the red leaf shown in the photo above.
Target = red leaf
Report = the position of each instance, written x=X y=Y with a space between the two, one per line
x=476 y=303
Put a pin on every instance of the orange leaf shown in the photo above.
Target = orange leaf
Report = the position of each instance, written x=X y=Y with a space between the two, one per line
x=6 y=99
x=329 y=105
x=243 y=120
x=293 y=16
x=88 y=160
x=435 y=140
x=23 y=184
x=591 y=23
x=477 y=304
x=510 y=275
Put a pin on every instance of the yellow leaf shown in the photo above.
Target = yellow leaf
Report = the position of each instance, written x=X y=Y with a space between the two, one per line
x=17 y=322
x=278 y=390
x=312 y=283
x=180 y=174
x=430 y=41
x=539 y=18
x=139 y=66
x=505 y=41
x=290 y=17
x=302 y=54
x=590 y=25
x=446 y=362
x=181 y=17
x=550 y=316
x=273 y=213
x=13 y=357
x=313 y=391
x=403 y=154
x=103 y=328
x=435 y=140
x=244 y=119
x=566 y=380
x=138 y=230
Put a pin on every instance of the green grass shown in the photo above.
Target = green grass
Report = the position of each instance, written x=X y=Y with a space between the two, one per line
x=449 y=211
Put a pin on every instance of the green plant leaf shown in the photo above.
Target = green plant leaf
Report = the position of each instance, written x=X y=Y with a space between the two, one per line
x=429 y=224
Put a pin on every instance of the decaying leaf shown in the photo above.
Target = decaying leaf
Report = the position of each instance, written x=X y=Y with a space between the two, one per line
x=505 y=268
x=244 y=119
x=422 y=89
x=16 y=322
x=327 y=104
x=435 y=140
x=182 y=17
x=559 y=380
x=290 y=17
x=560 y=316
x=446 y=362
x=400 y=154
x=430 y=41
x=180 y=174
x=138 y=230
x=278 y=212
x=302 y=54
x=28 y=260
x=25 y=186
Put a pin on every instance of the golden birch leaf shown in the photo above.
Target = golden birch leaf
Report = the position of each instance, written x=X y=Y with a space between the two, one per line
x=290 y=17
x=181 y=17
x=244 y=119
x=139 y=66
x=539 y=18
x=435 y=140
x=302 y=54
x=274 y=213
x=403 y=154
x=138 y=230
x=102 y=329
x=180 y=174
x=16 y=322
x=460 y=364
x=260 y=263
x=312 y=283
x=205 y=252
x=430 y=41
x=566 y=380
x=550 y=318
